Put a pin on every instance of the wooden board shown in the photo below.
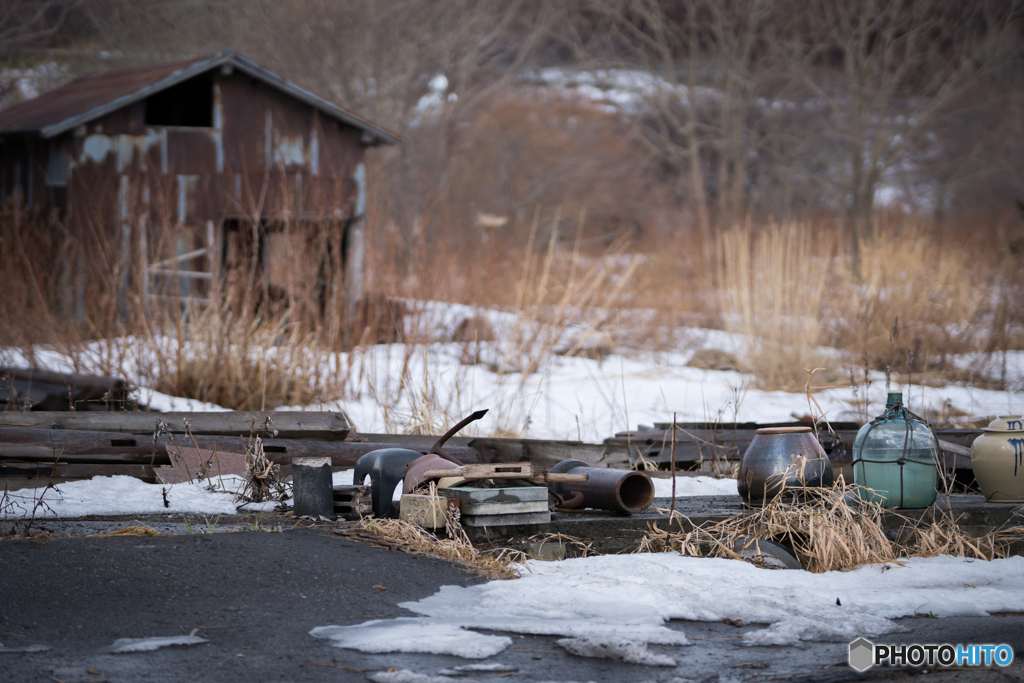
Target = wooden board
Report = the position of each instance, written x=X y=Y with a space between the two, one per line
x=327 y=425
x=702 y=443
x=65 y=445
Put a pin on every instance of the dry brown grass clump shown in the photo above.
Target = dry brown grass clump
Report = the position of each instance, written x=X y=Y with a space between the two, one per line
x=261 y=481
x=133 y=529
x=772 y=283
x=501 y=565
x=788 y=290
x=831 y=532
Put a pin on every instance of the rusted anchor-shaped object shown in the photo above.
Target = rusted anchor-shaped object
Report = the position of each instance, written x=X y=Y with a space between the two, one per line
x=436 y=448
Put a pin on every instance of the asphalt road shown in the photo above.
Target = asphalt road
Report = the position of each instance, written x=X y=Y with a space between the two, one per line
x=256 y=595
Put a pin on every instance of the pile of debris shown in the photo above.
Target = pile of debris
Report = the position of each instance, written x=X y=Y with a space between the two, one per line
x=438 y=492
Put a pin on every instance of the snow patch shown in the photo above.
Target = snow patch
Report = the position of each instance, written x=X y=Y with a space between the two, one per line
x=629 y=651
x=467 y=669
x=694 y=486
x=413 y=634
x=122 y=645
x=405 y=676
x=124 y=495
x=583 y=599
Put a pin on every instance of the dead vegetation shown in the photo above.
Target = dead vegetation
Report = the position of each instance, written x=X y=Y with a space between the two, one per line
x=132 y=529
x=262 y=479
x=831 y=532
x=404 y=536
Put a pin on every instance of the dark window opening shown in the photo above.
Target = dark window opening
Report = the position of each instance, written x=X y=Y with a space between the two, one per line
x=188 y=104
x=57 y=162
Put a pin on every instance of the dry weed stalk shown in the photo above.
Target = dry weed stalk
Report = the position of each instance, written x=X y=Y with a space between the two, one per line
x=582 y=548
x=502 y=565
x=772 y=283
x=261 y=481
x=133 y=529
x=829 y=531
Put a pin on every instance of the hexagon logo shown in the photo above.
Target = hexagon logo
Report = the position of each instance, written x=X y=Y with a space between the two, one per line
x=862 y=654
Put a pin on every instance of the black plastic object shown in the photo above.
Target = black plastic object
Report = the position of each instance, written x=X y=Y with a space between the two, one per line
x=386 y=467
x=625 y=491
x=312 y=489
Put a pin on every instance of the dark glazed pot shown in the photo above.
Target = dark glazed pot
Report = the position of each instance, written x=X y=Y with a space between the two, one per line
x=776 y=450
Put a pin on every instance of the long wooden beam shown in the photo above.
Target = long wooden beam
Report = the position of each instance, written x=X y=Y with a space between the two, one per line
x=325 y=425
x=74 y=446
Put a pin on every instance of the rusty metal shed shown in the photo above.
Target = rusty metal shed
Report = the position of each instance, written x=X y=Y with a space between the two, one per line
x=172 y=164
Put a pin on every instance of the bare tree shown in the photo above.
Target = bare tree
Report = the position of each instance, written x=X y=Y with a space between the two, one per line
x=902 y=63
x=27 y=22
x=711 y=120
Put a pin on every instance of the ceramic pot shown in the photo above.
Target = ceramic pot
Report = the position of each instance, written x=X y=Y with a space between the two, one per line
x=782 y=455
x=997 y=457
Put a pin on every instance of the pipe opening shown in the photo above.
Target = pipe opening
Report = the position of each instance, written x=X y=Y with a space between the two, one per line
x=636 y=492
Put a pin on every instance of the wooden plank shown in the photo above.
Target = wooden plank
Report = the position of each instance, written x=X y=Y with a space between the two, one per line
x=178 y=259
x=541 y=477
x=326 y=425
x=36 y=475
x=65 y=379
x=696 y=445
x=520 y=470
x=45 y=390
x=542 y=453
x=65 y=445
x=187 y=274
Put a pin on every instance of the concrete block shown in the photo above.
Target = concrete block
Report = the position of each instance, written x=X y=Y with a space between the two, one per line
x=312 y=488
x=504 y=508
x=425 y=511
x=511 y=494
x=506 y=520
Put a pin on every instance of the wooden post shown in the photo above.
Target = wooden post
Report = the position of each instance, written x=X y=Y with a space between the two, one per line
x=673 y=465
x=213 y=256
x=355 y=266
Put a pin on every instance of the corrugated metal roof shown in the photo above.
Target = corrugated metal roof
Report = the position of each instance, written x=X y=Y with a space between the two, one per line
x=90 y=97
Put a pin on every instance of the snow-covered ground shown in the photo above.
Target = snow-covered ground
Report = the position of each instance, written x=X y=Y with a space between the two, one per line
x=590 y=400
x=121 y=495
x=426 y=387
x=581 y=599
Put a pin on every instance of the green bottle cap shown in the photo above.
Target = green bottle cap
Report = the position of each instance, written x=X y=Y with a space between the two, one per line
x=894 y=397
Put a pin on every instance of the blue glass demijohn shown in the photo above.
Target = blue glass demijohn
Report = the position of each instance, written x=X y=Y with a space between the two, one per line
x=894 y=455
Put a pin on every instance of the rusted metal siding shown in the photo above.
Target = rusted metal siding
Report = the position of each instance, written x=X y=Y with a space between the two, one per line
x=263 y=144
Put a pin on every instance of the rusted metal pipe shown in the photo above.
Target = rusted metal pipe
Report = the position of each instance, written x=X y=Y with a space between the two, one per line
x=605 y=489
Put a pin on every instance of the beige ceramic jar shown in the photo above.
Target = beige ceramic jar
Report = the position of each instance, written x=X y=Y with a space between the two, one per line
x=997 y=457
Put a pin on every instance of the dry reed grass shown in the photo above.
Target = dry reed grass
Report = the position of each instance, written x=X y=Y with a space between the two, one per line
x=133 y=529
x=501 y=565
x=772 y=283
x=240 y=362
x=785 y=290
x=829 y=532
